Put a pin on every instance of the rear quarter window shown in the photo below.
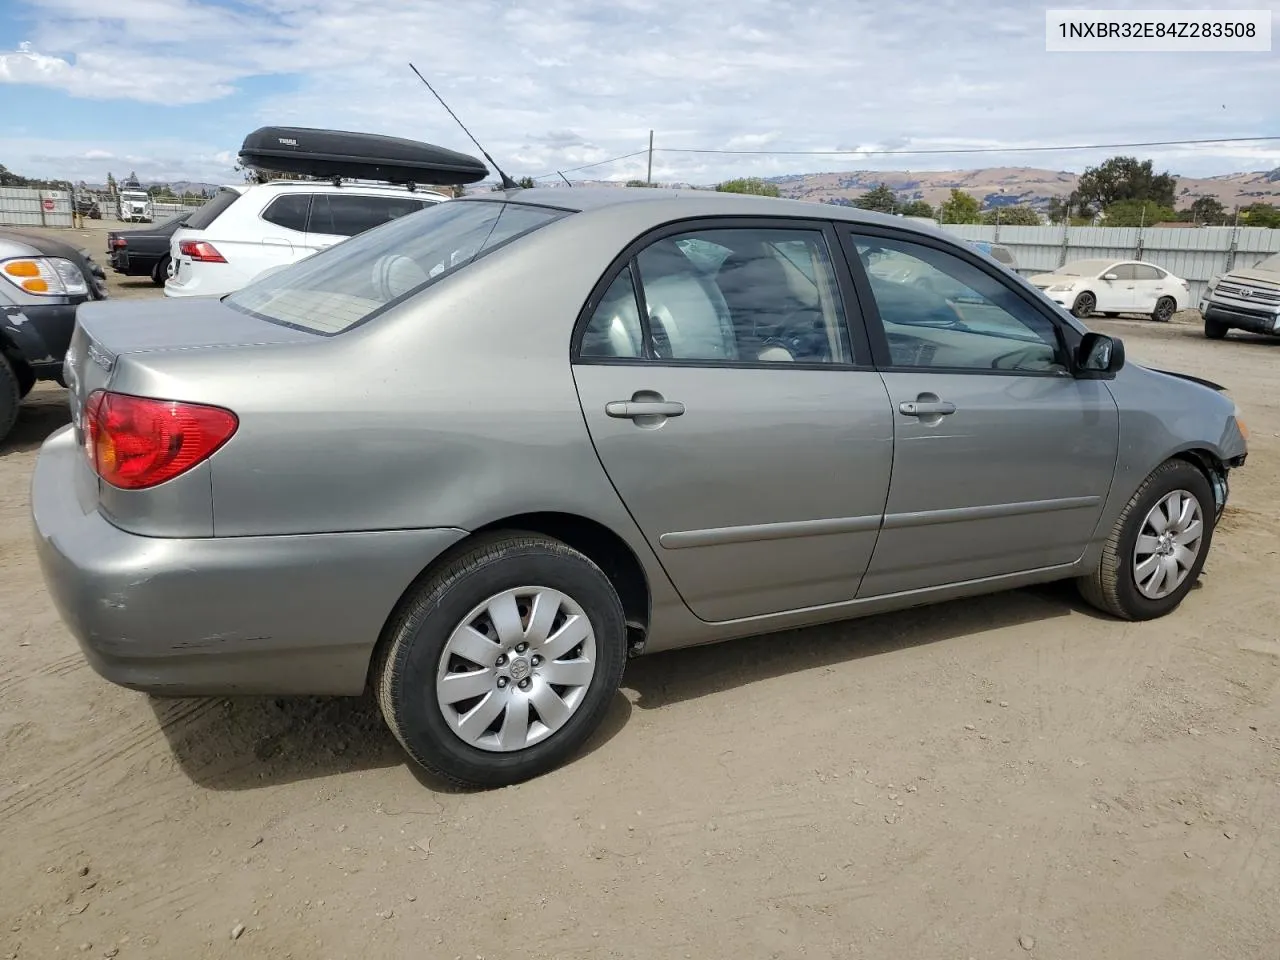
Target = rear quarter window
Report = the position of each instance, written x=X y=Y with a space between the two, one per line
x=212 y=209
x=350 y=282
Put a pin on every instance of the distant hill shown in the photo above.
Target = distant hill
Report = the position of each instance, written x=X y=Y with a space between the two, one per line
x=995 y=186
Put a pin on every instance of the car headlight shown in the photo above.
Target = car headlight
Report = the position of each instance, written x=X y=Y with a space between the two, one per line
x=45 y=276
x=1062 y=288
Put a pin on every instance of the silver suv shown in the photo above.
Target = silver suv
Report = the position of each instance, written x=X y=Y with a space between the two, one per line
x=1247 y=299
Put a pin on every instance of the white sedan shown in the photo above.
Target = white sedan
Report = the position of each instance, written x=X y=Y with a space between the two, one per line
x=1112 y=287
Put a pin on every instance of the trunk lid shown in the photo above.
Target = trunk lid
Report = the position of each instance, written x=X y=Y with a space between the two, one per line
x=105 y=331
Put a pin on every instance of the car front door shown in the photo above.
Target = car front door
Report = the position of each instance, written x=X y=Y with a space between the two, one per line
x=737 y=413
x=1118 y=294
x=1002 y=459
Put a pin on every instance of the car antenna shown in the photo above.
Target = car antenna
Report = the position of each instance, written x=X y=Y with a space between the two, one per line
x=565 y=179
x=507 y=182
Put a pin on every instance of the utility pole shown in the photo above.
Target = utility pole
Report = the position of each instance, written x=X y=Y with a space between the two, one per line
x=648 y=177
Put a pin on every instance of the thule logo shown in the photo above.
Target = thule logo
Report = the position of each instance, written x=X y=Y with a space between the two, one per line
x=287 y=142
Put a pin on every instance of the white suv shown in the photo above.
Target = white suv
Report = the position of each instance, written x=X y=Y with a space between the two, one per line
x=244 y=230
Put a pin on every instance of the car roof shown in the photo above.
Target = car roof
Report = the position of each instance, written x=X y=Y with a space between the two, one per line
x=670 y=204
x=327 y=186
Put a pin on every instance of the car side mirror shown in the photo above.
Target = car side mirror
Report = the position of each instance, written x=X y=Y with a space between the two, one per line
x=1109 y=276
x=1099 y=354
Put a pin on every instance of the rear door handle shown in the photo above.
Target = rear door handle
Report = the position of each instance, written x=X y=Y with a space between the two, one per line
x=927 y=408
x=631 y=409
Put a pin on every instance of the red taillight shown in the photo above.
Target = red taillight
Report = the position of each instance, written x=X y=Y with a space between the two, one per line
x=137 y=442
x=119 y=242
x=201 y=251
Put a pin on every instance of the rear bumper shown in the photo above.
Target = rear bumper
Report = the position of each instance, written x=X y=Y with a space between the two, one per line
x=220 y=615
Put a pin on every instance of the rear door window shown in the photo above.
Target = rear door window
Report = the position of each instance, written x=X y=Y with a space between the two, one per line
x=289 y=211
x=346 y=214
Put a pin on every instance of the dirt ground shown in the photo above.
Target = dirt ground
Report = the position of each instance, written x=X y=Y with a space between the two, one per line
x=1004 y=777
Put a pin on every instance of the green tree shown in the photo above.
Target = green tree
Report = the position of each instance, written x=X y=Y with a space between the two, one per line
x=1209 y=210
x=752 y=185
x=111 y=184
x=1124 y=178
x=639 y=183
x=1016 y=215
x=960 y=207
x=881 y=199
x=917 y=208
x=1261 y=215
x=526 y=183
x=1137 y=213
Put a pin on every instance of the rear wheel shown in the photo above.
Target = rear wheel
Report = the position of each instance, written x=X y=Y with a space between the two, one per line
x=1083 y=307
x=1215 y=329
x=500 y=665
x=1157 y=547
x=160 y=272
x=1164 y=310
x=11 y=394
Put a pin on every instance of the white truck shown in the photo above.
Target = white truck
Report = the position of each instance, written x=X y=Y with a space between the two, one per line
x=1244 y=299
x=135 y=206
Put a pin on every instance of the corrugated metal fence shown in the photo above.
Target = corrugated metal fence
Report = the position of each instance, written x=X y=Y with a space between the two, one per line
x=1195 y=254
x=24 y=207
x=28 y=207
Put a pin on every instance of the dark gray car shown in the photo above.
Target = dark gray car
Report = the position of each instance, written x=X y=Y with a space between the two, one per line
x=476 y=457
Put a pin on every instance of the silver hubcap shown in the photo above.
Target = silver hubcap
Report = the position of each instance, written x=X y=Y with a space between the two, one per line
x=516 y=669
x=1168 y=545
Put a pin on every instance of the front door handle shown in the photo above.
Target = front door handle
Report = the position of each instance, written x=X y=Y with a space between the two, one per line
x=927 y=408
x=633 y=409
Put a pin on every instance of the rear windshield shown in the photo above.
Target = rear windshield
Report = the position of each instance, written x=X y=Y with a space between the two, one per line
x=333 y=290
x=209 y=211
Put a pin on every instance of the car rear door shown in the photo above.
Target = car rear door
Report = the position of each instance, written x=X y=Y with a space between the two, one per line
x=336 y=216
x=735 y=409
x=1002 y=458
x=1149 y=285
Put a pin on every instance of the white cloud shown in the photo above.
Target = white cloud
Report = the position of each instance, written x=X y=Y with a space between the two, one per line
x=562 y=83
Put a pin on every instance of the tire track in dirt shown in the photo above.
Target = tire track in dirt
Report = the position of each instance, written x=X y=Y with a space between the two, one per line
x=118 y=749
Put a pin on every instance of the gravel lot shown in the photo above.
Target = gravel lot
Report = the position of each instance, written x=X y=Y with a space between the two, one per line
x=1003 y=777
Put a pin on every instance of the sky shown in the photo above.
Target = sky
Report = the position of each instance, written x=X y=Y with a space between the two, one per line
x=170 y=88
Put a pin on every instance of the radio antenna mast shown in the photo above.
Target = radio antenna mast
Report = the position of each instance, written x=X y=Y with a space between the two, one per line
x=507 y=182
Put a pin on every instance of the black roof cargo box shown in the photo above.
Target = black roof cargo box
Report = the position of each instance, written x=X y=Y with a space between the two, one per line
x=357 y=156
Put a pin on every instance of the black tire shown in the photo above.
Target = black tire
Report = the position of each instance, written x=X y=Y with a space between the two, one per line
x=1111 y=314
x=1215 y=329
x=1164 y=310
x=160 y=272
x=405 y=671
x=1112 y=587
x=11 y=394
x=1082 y=309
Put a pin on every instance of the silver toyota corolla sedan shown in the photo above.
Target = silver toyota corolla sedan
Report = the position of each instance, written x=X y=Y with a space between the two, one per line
x=476 y=458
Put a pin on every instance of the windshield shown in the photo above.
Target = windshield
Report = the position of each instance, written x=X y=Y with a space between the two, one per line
x=337 y=288
x=1083 y=268
x=1269 y=265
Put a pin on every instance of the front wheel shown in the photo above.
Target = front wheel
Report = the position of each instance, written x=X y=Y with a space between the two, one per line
x=1164 y=310
x=502 y=663
x=11 y=394
x=1084 y=305
x=1157 y=547
x=1215 y=329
